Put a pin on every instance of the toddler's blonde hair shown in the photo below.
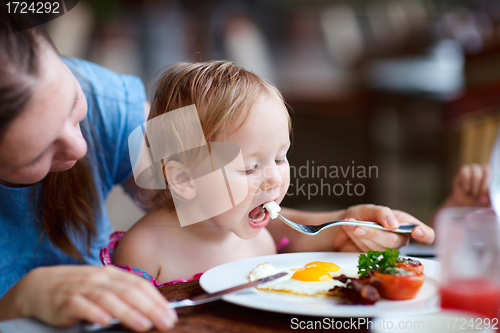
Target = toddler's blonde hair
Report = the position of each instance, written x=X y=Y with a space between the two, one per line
x=222 y=92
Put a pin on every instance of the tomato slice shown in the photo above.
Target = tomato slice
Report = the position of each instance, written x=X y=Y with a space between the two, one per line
x=410 y=265
x=399 y=287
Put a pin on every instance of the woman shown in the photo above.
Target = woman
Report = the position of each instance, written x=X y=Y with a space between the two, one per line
x=61 y=220
x=64 y=126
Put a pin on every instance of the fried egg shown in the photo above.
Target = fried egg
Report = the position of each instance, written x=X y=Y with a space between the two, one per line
x=312 y=279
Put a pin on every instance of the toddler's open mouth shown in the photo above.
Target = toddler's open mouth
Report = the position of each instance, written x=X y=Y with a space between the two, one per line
x=258 y=217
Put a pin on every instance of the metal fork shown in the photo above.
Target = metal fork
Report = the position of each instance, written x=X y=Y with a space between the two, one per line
x=315 y=229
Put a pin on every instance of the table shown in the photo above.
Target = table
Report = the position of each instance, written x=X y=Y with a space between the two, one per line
x=217 y=316
x=221 y=316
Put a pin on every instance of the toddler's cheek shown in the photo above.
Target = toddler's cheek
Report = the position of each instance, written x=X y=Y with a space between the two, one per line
x=284 y=191
x=286 y=185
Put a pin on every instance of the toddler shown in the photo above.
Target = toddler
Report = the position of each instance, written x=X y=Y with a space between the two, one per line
x=235 y=106
x=469 y=188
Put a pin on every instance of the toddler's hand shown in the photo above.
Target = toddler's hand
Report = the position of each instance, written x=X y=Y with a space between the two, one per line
x=470 y=186
x=357 y=239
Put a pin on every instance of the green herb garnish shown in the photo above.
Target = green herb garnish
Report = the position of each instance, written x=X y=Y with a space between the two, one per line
x=377 y=261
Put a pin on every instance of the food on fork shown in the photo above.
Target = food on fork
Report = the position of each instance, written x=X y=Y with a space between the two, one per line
x=273 y=208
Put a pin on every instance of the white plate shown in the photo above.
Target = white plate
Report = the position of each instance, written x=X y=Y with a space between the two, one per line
x=236 y=272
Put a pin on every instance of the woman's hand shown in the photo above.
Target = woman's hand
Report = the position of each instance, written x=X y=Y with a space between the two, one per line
x=65 y=295
x=349 y=238
x=356 y=239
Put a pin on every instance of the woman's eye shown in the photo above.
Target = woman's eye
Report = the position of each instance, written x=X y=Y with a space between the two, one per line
x=35 y=161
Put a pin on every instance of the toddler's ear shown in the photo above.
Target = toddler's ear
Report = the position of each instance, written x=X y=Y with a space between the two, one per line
x=179 y=180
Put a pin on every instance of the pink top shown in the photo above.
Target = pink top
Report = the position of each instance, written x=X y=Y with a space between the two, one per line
x=106 y=256
x=107 y=253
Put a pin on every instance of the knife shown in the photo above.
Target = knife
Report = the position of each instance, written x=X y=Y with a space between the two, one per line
x=201 y=299
x=206 y=298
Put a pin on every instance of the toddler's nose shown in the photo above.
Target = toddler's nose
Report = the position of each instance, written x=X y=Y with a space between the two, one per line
x=273 y=178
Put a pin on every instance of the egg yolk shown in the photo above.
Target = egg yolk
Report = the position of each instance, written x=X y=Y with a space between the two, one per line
x=326 y=266
x=311 y=274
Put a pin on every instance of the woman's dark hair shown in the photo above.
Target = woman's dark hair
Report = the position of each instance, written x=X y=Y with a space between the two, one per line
x=69 y=201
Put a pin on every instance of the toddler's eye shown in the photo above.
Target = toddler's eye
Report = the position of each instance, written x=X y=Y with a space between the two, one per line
x=251 y=170
x=281 y=161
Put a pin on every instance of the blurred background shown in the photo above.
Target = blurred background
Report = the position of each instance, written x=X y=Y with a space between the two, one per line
x=406 y=89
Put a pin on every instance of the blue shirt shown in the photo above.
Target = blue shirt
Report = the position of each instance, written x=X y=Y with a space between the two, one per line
x=115 y=108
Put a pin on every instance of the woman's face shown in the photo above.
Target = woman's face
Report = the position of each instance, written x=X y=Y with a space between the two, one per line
x=46 y=136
